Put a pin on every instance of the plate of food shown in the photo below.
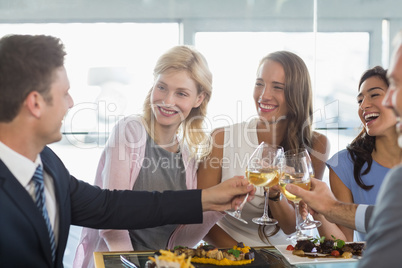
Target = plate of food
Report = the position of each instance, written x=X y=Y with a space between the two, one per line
x=321 y=250
x=207 y=256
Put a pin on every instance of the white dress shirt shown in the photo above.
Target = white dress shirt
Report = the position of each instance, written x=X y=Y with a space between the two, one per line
x=360 y=218
x=23 y=170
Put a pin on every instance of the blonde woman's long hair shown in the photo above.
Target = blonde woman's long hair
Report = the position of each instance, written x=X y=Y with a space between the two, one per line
x=298 y=96
x=186 y=58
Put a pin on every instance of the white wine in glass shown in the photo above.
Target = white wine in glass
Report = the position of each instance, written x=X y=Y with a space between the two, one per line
x=307 y=224
x=263 y=177
x=263 y=170
x=296 y=171
x=295 y=179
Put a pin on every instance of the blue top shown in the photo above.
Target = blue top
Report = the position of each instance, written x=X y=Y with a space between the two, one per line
x=341 y=163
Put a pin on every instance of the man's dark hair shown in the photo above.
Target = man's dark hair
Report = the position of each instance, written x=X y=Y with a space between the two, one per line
x=27 y=63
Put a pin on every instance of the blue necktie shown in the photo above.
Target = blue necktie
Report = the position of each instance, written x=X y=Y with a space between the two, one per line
x=41 y=204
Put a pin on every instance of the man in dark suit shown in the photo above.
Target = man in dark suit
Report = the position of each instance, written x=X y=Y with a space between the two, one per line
x=384 y=221
x=35 y=214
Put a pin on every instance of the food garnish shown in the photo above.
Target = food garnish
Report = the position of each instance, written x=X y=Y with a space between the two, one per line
x=318 y=239
x=234 y=252
x=335 y=253
x=338 y=243
x=290 y=247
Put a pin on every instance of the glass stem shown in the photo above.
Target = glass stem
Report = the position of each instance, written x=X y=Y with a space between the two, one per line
x=298 y=230
x=240 y=207
x=266 y=195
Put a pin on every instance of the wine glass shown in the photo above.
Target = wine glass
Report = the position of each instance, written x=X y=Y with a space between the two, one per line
x=307 y=224
x=296 y=171
x=264 y=170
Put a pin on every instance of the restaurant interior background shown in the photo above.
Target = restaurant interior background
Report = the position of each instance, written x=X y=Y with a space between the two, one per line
x=112 y=47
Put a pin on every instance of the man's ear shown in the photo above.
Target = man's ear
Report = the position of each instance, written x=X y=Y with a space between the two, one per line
x=33 y=103
x=200 y=99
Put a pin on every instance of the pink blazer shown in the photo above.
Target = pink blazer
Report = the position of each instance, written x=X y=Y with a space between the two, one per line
x=118 y=168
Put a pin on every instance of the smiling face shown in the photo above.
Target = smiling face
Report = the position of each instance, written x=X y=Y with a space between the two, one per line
x=269 y=96
x=173 y=96
x=376 y=118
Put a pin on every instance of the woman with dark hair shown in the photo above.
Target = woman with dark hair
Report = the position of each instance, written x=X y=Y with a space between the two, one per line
x=357 y=172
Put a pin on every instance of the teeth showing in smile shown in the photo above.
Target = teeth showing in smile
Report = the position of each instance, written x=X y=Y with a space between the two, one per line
x=167 y=111
x=371 y=116
x=266 y=106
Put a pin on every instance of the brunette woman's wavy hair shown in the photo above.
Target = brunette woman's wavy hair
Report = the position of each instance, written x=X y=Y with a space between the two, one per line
x=362 y=146
x=186 y=58
x=299 y=104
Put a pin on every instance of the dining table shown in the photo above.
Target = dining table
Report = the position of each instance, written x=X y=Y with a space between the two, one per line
x=270 y=257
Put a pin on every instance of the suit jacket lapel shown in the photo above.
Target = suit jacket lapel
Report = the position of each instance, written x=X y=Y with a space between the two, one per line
x=24 y=202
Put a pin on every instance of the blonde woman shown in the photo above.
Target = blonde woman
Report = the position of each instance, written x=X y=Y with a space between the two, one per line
x=156 y=151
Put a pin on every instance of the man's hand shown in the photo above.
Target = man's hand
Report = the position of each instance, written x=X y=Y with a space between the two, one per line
x=321 y=199
x=274 y=190
x=304 y=210
x=227 y=195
